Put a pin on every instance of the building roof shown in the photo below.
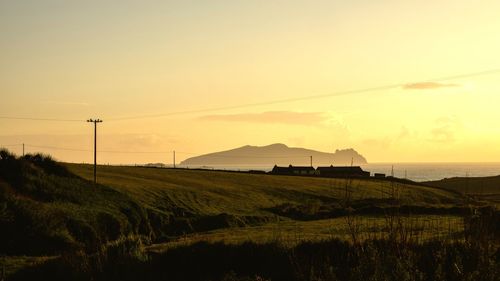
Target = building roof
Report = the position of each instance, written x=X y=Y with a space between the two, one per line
x=340 y=169
x=293 y=168
x=300 y=168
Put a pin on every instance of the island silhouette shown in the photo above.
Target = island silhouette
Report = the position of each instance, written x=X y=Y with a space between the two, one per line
x=277 y=153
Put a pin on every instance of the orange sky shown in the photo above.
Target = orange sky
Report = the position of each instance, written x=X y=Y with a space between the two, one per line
x=111 y=59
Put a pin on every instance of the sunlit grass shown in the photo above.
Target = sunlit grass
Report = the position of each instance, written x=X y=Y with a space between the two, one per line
x=420 y=229
x=212 y=192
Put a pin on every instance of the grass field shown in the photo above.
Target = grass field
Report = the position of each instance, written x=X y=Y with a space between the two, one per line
x=212 y=192
x=50 y=209
x=291 y=233
x=483 y=188
x=241 y=196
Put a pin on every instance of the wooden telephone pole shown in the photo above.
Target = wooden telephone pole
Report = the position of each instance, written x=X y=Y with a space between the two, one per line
x=95 y=121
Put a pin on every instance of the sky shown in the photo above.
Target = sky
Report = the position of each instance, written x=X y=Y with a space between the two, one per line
x=112 y=60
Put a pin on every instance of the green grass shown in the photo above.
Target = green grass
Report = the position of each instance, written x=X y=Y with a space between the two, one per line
x=484 y=188
x=291 y=233
x=241 y=195
x=213 y=192
x=48 y=209
x=45 y=210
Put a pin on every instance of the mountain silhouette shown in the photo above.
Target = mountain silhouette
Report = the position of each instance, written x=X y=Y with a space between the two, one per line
x=277 y=153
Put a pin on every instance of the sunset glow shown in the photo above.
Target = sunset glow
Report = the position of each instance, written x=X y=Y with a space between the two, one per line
x=219 y=67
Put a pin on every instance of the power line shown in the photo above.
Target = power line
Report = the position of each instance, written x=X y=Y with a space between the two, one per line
x=168 y=151
x=214 y=109
x=89 y=150
x=258 y=157
x=57 y=148
x=5 y=145
x=308 y=156
x=137 y=152
x=278 y=101
x=40 y=119
x=189 y=153
x=465 y=75
x=341 y=93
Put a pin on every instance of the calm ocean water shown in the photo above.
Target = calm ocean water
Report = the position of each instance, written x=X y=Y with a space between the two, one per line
x=435 y=171
x=413 y=171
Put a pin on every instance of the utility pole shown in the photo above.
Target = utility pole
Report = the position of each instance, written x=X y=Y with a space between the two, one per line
x=466 y=182
x=311 y=160
x=95 y=121
x=23 y=149
x=174 y=159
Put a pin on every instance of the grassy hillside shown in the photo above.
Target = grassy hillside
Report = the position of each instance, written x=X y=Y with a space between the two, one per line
x=52 y=215
x=210 y=204
x=486 y=188
x=45 y=209
x=290 y=232
x=213 y=192
x=46 y=206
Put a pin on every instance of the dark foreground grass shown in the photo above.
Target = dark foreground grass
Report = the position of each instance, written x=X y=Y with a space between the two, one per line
x=46 y=210
x=327 y=260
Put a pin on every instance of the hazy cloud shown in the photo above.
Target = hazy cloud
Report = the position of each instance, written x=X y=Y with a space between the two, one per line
x=404 y=133
x=66 y=103
x=389 y=140
x=445 y=129
x=427 y=86
x=141 y=140
x=382 y=143
x=272 y=117
x=442 y=134
x=114 y=148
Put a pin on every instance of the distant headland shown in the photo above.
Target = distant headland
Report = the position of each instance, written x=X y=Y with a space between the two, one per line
x=277 y=153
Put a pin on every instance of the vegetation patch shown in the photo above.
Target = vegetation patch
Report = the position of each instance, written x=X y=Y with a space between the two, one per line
x=46 y=210
x=328 y=260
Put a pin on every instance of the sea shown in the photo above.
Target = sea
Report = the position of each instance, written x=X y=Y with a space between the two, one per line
x=434 y=171
x=413 y=171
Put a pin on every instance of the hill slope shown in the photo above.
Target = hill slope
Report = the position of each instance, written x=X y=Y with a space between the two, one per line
x=213 y=192
x=47 y=207
x=486 y=188
x=44 y=209
x=275 y=154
